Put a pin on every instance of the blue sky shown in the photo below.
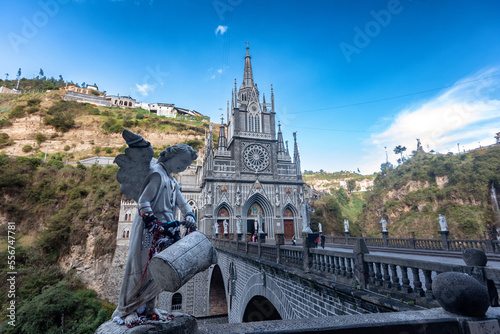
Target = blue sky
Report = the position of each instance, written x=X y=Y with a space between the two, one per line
x=351 y=77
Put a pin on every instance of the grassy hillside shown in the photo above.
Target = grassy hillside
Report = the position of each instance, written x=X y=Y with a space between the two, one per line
x=412 y=195
x=55 y=207
x=33 y=124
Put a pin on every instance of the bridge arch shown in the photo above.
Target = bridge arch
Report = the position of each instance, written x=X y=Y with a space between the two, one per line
x=217 y=300
x=267 y=212
x=268 y=294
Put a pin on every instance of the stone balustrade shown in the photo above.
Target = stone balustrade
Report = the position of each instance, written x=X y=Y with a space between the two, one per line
x=402 y=278
x=443 y=244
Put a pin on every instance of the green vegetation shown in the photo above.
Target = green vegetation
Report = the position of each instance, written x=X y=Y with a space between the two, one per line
x=5 y=140
x=57 y=206
x=412 y=195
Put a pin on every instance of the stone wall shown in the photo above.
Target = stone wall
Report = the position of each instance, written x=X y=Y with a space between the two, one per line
x=292 y=296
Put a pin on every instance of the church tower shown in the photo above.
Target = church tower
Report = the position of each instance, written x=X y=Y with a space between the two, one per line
x=251 y=172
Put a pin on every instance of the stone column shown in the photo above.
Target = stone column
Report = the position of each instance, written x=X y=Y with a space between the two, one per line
x=444 y=239
x=360 y=266
x=412 y=241
x=308 y=242
x=385 y=235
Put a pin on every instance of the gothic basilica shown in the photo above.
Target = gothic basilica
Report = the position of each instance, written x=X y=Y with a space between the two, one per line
x=251 y=172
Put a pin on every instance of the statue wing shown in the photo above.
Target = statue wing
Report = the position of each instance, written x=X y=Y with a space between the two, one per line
x=134 y=164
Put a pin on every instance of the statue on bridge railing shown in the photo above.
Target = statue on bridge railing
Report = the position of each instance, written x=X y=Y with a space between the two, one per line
x=216 y=228
x=384 y=224
x=443 y=223
x=306 y=216
x=225 y=226
x=346 y=225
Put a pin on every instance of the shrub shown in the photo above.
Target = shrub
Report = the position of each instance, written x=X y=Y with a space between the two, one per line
x=32 y=110
x=61 y=122
x=40 y=138
x=4 y=122
x=27 y=148
x=97 y=150
x=34 y=102
x=18 y=112
x=67 y=148
x=108 y=150
x=139 y=115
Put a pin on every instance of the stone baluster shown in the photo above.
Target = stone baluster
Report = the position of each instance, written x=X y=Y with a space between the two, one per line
x=342 y=267
x=405 y=287
x=417 y=284
x=378 y=275
x=428 y=284
x=349 y=268
x=329 y=264
x=387 y=277
x=337 y=266
x=371 y=274
x=395 y=279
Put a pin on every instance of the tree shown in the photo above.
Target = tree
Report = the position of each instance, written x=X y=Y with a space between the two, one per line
x=84 y=85
x=6 y=76
x=41 y=73
x=19 y=73
x=351 y=185
x=399 y=150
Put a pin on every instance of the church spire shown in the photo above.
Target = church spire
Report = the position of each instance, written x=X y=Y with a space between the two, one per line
x=222 y=145
x=264 y=109
x=232 y=100
x=248 y=75
x=296 y=155
x=208 y=164
x=281 y=147
x=235 y=95
x=272 y=99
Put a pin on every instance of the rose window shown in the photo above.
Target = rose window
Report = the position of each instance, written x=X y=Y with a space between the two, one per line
x=256 y=157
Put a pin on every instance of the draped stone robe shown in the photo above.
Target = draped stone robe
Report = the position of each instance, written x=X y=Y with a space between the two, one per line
x=161 y=194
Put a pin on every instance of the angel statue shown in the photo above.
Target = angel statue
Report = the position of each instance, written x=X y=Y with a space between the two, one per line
x=150 y=183
x=306 y=216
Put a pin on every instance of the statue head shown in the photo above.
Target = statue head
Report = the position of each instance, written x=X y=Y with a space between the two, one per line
x=177 y=158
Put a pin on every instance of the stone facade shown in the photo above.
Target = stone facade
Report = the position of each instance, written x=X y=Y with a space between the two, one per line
x=251 y=172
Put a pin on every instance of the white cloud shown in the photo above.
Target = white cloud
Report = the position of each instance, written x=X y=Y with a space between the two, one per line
x=215 y=73
x=145 y=89
x=466 y=113
x=221 y=30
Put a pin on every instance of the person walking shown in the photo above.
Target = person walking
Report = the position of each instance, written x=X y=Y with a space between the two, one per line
x=322 y=240
x=293 y=240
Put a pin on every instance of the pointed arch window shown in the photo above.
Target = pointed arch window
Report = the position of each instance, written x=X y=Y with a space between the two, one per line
x=250 y=123
x=177 y=302
x=257 y=123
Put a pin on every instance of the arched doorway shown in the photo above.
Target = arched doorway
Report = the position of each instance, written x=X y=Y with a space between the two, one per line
x=288 y=224
x=218 y=303
x=222 y=215
x=259 y=308
x=252 y=215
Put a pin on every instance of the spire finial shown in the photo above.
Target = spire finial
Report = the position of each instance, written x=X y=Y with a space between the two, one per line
x=221 y=118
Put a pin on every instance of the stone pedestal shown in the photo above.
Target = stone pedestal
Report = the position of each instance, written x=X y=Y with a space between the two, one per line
x=347 y=234
x=280 y=238
x=226 y=236
x=178 y=323
x=216 y=235
x=385 y=236
x=310 y=241
x=444 y=239
x=262 y=238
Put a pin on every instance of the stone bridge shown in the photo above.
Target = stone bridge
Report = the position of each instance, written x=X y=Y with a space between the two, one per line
x=270 y=282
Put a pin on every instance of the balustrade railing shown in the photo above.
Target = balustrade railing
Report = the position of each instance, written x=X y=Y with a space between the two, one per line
x=400 y=277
